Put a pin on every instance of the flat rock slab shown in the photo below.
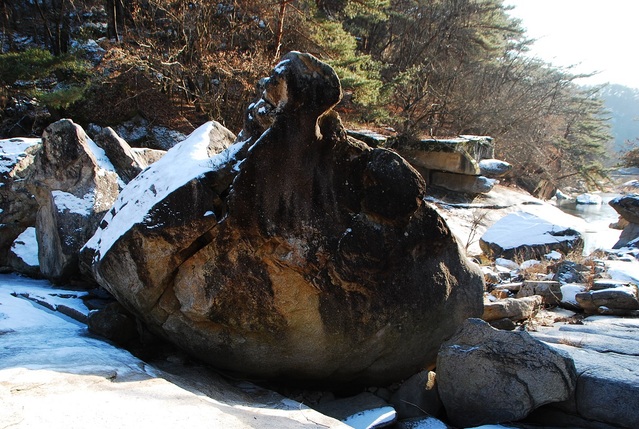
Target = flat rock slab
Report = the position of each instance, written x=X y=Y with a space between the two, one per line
x=606 y=354
x=53 y=374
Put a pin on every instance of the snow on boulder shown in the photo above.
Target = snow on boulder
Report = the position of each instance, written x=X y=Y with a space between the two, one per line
x=589 y=199
x=294 y=254
x=74 y=184
x=17 y=204
x=528 y=236
x=494 y=168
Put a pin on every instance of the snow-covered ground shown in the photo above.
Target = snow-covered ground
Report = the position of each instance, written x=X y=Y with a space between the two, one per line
x=54 y=374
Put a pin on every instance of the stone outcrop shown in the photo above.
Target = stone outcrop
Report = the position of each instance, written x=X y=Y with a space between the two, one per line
x=74 y=185
x=17 y=203
x=297 y=253
x=527 y=236
x=450 y=163
x=486 y=376
x=628 y=208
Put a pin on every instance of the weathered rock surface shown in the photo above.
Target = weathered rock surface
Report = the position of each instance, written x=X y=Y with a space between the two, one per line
x=17 y=204
x=74 y=185
x=456 y=155
x=511 y=308
x=628 y=208
x=488 y=376
x=528 y=236
x=127 y=163
x=605 y=351
x=296 y=253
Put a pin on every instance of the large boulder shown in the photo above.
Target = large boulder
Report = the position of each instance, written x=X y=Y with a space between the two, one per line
x=527 y=236
x=486 y=376
x=296 y=254
x=74 y=184
x=17 y=203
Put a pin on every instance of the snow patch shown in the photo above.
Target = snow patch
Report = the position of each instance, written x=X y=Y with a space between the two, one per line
x=521 y=228
x=12 y=150
x=371 y=418
x=568 y=292
x=25 y=247
x=65 y=201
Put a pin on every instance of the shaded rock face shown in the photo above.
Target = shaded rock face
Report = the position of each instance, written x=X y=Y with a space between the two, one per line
x=17 y=203
x=127 y=163
x=628 y=208
x=297 y=253
x=487 y=376
x=74 y=185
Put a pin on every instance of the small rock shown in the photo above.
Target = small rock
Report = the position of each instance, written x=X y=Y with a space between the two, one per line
x=550 y=291
x=511 y=308
x=504 y=324
x=619 y=298
x=494 y=168
x=571 y=272
x=417 y=397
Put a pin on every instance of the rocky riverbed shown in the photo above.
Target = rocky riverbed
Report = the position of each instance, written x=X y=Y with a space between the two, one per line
x=296 y=259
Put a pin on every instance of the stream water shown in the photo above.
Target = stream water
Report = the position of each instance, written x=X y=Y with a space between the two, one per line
x=598 y=217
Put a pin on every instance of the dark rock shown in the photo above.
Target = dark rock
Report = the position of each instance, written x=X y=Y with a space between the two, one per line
x=505 y=324
x=297 y=253
x=486 y=376
x=628 y=236
x=114 y=323
x=627 y=206
x=571 y=272
x=619 y=298
x=417 y=397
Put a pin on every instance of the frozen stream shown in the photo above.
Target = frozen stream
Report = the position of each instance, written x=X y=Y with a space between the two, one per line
x=598 y=217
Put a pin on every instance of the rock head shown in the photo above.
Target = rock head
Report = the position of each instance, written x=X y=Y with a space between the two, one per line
x=296 y=253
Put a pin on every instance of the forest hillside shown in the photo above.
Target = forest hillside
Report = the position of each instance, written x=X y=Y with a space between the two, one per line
x=417 y=68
